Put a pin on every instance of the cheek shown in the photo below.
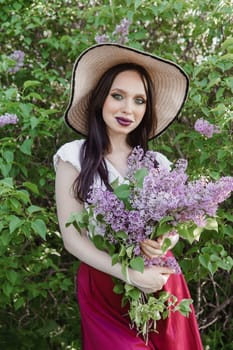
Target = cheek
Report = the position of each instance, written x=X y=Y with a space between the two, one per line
x=107 y=105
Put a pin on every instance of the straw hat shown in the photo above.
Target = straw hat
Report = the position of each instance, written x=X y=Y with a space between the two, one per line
x=169 y=80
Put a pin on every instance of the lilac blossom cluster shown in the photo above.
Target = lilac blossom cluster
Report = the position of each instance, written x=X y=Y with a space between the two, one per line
x=165 y=261
x=205 y=128
x=8 y=118
x=169 y=193
x=18 y=57
x=163 y=193
x=111 y=211
x=112 y=217
x=121 y=33
x=139 y=159
x=107 y=205
x=102 y=39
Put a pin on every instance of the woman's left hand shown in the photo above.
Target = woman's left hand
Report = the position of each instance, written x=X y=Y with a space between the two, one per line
x=153 y=248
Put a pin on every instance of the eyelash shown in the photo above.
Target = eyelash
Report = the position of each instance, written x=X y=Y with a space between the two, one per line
x=138 y=100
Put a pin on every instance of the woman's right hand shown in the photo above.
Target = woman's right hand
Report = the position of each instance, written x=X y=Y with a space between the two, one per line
x=151 y=280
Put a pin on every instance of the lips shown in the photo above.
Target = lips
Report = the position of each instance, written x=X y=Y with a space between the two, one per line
x=123 y=121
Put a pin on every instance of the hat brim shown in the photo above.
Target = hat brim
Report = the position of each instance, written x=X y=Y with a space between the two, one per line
x=169 y=80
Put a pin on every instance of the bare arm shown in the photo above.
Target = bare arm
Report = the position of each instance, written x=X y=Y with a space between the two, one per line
x=82 y=248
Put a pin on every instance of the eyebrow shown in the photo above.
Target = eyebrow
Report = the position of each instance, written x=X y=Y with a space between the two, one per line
x=123 y=92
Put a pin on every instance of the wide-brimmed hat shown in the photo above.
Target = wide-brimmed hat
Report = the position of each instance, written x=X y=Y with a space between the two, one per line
x=169 y=80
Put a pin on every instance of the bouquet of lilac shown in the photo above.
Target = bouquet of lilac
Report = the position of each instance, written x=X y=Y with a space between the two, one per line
x=152 y=201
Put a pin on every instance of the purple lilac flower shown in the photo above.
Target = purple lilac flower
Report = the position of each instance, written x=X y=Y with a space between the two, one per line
x=164 y=261
x=205 y=128
x=164 y=193
x=18 y=57
x=8 y=118
x=102 y=39
x=122 y=31
x=169 y=193
x=110 y=207
x=139 y=159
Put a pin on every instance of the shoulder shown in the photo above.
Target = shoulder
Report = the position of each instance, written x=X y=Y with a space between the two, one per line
x=163 y=161
x=69 y=152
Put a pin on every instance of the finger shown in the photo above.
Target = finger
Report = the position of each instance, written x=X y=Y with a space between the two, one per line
x=151 y=252
x=163 y=270
x=151 y=243
x=165 y=279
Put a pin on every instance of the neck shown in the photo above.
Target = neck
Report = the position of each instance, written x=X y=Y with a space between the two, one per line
x=119 y=145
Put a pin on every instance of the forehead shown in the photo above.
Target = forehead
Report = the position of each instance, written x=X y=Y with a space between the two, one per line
x=129 y=79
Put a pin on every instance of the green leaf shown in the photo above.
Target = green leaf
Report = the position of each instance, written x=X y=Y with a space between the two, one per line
x=15 y=222
x=140 y=175
x=184 y=307
x=5 y=238
x=121 y=234
x=26 y=109
x=8 y=156
x=31 y=83
x=18 y=303
x=197 y=233
x=166 y=244
x=118 y=289
x=39 y=227
x=11 y=93
x=8 y=181
x=34 y=122
x=26 y=147
x=31 y=186
x=134 y=293
x=12 y=276
x=99 y=241
x=122 y=191
x=122 y=251
x=204 y=260
x=187 y=231
x=129 y=251
x=115 y=258
x=33 y=209
x=115 y=183
x=228 y=42
x=7 y=288
x=163 y=228
x=137 y=264
x=211 y=224
x=15 y=204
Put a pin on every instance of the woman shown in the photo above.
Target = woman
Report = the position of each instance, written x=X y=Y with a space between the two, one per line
x=121 y=98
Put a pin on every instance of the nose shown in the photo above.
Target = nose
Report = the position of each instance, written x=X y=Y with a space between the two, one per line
x=127 y=107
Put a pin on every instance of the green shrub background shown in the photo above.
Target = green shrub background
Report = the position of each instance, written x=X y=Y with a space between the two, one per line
x=38 y=308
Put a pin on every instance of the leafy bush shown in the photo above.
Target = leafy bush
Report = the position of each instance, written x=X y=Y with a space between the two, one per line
x=38 y=308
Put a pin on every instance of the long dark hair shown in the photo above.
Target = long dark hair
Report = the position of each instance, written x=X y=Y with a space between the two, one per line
x=97 y=142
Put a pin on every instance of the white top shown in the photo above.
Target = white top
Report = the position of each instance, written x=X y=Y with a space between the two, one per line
x=70 y=152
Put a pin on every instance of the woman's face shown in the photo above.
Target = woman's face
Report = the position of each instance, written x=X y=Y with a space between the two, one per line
x=125 y=104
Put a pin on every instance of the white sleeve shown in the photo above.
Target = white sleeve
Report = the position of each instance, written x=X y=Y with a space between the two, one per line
x=163 y=161
x=69 y=152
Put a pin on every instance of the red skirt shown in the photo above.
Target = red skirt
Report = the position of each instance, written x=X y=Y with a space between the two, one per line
x=105 y=324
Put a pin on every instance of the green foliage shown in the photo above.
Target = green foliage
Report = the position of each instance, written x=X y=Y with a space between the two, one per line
x=37 y=301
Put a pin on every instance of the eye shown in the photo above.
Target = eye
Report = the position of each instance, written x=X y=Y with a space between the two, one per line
x=140 y=101
x=117 y=96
